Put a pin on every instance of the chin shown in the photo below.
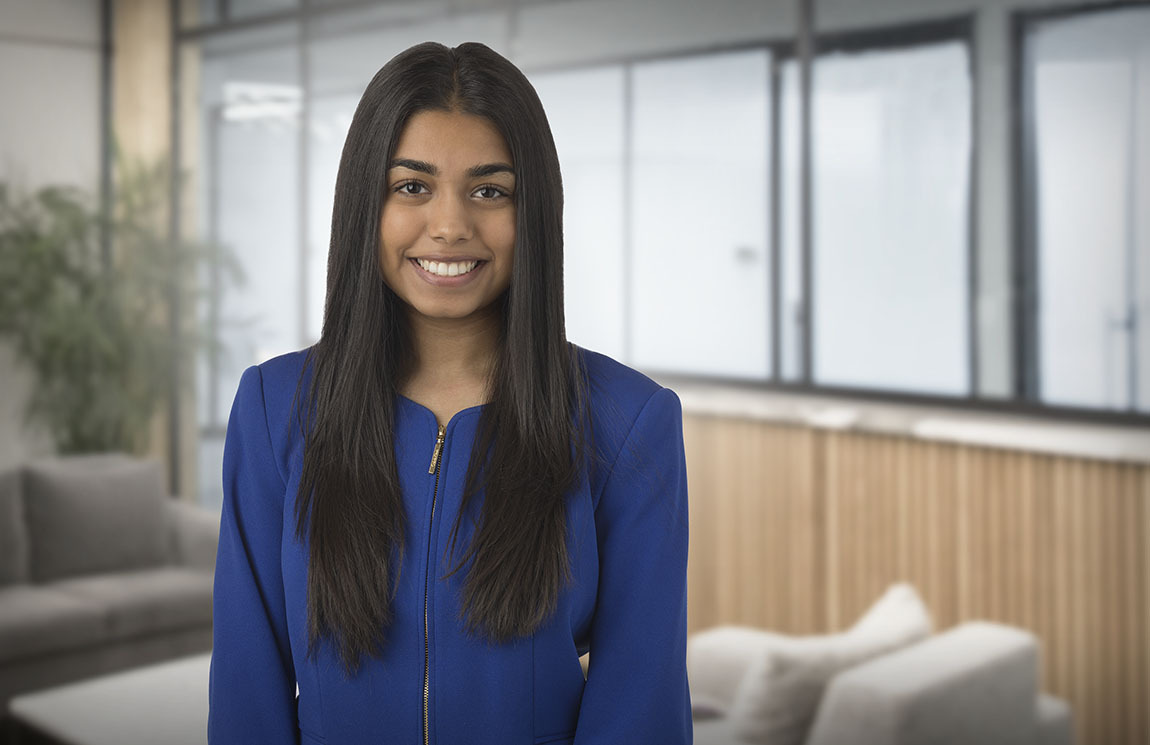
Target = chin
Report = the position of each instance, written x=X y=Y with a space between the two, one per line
x=434 y=310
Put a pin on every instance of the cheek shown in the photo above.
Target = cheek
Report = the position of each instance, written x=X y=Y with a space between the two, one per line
x=396 y=231
x=392 y=240
x=501 y=235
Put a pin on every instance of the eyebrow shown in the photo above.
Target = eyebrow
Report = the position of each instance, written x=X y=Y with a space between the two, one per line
x=486 y=169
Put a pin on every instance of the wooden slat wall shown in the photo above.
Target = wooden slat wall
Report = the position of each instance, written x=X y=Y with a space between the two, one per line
x=799 y=530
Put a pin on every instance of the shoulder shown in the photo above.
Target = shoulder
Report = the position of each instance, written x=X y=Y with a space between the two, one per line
x=280 y=375
x=278 y=379
x=612 y=384
x=625 y=404
x=283 y=370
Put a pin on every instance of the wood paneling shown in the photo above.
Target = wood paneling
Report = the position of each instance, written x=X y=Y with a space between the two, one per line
x=799 y=530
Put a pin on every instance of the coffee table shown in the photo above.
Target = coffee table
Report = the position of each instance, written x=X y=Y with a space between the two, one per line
x=161 y=703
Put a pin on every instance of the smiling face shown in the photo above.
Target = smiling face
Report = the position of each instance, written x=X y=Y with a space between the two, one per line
x=447 y=232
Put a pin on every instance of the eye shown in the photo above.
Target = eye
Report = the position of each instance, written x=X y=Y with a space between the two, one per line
x=499 y=193
x=404 y=188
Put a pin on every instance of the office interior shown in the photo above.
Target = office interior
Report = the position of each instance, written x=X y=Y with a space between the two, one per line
x=893 y=256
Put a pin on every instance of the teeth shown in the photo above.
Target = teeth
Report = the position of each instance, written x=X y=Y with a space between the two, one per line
x=448 y=270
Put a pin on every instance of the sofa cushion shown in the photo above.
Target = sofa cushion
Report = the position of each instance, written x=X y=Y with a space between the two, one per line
x=93 y=514
x=714 y=731
x=145 y=601
x=1053 y=721
x=717 y=659
x=13 y=530
x=778 y=697
x=975 y=683
x=38 y=620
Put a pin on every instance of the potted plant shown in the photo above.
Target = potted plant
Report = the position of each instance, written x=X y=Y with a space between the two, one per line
x=102 y=305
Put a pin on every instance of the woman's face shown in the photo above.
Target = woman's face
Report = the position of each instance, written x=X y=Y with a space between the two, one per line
x=447 y=232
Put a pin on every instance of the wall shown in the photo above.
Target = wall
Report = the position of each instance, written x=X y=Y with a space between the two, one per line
x=49 y=134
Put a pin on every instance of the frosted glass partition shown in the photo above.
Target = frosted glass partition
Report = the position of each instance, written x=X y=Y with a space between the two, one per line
x=247 y=157
x=258 y=170
x=1088 y=83
x=700 y=214
x=249 y=148
x=329 y=120
x=891 y=147
x=585 y=110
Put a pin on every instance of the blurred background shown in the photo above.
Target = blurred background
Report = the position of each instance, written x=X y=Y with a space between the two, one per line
x=893 y=255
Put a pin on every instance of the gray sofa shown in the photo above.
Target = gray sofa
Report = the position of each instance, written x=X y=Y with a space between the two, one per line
x=975 y=683
x=99 y=571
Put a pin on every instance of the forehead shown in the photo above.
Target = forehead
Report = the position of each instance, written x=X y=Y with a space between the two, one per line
x=451 y=138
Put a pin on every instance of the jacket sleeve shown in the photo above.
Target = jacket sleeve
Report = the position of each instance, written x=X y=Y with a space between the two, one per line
x=251 y=686
x=636 y=689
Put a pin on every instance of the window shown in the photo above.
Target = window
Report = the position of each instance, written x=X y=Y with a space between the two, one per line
x=248 y=146
x=1086 y=182
x=700 y=214
x=586 y=111
x=891 y=150
x=666 y=217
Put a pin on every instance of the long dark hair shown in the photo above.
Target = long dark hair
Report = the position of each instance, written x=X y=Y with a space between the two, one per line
x=538 y=387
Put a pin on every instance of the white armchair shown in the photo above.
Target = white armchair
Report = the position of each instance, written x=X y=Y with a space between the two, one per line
x=885 y=681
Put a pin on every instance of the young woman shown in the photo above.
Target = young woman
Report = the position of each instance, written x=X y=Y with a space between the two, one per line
x=434 y=511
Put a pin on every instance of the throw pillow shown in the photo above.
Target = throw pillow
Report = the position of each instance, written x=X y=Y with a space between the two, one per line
x=778 y=698
x=93 y=514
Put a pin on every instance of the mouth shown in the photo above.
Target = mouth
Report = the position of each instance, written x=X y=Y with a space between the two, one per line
x=448 y=268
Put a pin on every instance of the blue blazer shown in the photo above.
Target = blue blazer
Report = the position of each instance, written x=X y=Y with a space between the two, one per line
x=627 y=533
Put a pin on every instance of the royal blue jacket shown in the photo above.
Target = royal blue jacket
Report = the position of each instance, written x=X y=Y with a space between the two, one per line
x=627 y=527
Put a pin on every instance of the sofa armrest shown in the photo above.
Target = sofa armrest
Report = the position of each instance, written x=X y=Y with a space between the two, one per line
x=1054 y=721
x=975 y=683
x=717 y=661
x=195 y=534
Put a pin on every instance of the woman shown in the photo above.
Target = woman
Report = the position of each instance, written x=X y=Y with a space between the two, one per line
x=463 y=502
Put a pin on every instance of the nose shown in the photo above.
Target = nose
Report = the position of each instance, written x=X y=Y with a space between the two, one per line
x=449 y=219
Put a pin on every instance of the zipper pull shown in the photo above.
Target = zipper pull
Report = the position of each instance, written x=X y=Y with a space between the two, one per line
x=438 y=445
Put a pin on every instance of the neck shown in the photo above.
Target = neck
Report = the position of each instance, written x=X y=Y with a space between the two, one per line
x=452 y=352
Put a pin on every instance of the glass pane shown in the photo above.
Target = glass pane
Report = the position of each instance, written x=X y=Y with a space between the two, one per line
x=246 y=159
x=1089 y=85
x=591 y=157
x=330 y=119
x=699 y=215
x=891 y=180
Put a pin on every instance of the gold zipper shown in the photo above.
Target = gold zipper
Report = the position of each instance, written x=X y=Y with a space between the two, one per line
x=435 y=453
x=426 y=646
